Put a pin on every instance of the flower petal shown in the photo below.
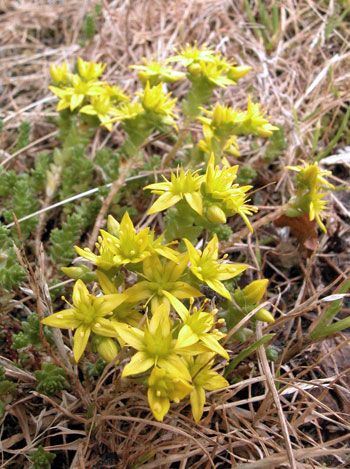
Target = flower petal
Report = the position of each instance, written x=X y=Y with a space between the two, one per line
x=197 y=403
x=165 y=201
x=138 y=364
x=63 y=319
x=186 y=337
x=105 y=327
x=194 y=200
x=217 y=286
x=176 y=366
x=131 y=335
x=184 y=290
x=181 y=310
x=138 y=292
x=81 y=338
x=215 y=382
x=159 y=405
x=213 y=345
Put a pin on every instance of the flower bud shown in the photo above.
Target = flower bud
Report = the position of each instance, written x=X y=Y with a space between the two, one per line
x=194 y=69
x=264 y=315
x=113 y=226
x=106 y=348
x=216 y=215
x=80 y=272
x=255 y=291
x=235 y=73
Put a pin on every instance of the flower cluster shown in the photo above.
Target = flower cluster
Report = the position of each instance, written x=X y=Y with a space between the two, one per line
x=84 y=92
x=213 y=196
x=148 y=296
x=310 y=197
x=209 y=66
x=224 y=123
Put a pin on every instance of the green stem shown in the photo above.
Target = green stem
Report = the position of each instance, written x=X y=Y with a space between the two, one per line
x=247 y=352
x=337 y=136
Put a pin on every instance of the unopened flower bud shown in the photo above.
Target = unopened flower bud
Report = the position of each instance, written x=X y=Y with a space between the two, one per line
x=255 y=291
x=216 y=215
x=107 y=348
x=235 y=73
x=194 y=69
x=264 y=315
x=80 y=272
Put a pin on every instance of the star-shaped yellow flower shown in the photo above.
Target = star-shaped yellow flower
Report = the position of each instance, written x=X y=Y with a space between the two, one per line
x=156 y=346
x=182 y=185
x=87 y=314
x=203 y=378
x=206 y=266
x=163 y=283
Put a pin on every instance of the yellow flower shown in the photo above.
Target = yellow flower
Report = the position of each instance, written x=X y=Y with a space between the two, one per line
x=182 y=185
x=221 y=196
x=206 y=266
x=254 y=292
x=90 y=70
x=162 y=285
x=198 y=326
x=203 y=378
x=126 y=247
x=88 y=314
x=155 y=346
x=236 y=203
x=155 y=73
x=155 y=101
x=114 y=93
x=311 y=176
x=192 y=55
x=309 y=197
x=101 y=107
x=317 y=208
x=74 y=96
x=127 y=111
x=255 y=122
x=250 y=296
x=164 y=387
x=60 y=74
x=125 y=312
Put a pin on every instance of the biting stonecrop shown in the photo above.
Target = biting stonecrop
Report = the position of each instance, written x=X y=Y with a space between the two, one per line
x=213 y=195
x=148 y=295
x=175 y=344
x=310 y=197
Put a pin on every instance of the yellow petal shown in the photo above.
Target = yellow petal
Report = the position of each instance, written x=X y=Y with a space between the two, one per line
x=216 y=382
x=165 y=201
x=197 y=403
x=176 y=366
x=217 y=286
x=213 y=345
x=81 y=338
x=194 y=200
x=159 y=405
x=138 y=364
x=179 y=307
x=186 y=337
x=131 y=335
x=80 y=292
x=105 y=327
x=63 y=319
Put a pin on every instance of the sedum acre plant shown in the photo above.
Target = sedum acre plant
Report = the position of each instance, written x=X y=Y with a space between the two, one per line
x=148 y=297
